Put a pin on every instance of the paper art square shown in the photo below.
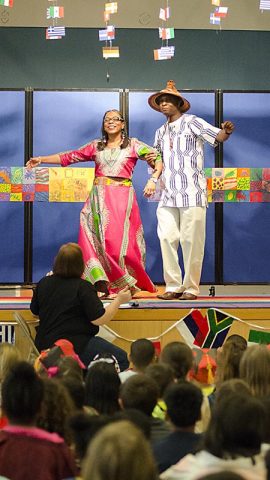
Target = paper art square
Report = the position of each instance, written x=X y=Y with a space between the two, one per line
x=218 y=172
x=243 y=172
x=218 y=183
x=42 y=196
x=243 y=183
x=4 y=197
x=242 y=196
x=266 y=197
x=16 y=174
x=266 y=174
x=28 y=187
x=256 y=174
x=208 y=172
x=42 y=175
x=256 y=185
x=28 y=196
x=5 y=175
x=256 y=196
x=217 y=195
x=230 y=196
x=230 y=183
x=29 y=176
x=5 y=187
x=15 y=197
x=16 y=188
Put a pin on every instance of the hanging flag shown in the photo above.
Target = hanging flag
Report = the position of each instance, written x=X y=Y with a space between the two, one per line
x=214 y=20
x=216 y=3
x=164 y=13
x=207 y=331
x=107 y=34
x=110 y=52
x=111 y=7
x=259 y=337
x=164 y=53
x=6 y=3
x=166 y=33
x=106 y=17
x=55 y=12
x=264 y=4
x=55 y=33
x=221 y=12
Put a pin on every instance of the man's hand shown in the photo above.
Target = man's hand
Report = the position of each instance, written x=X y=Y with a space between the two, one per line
x=228 y=127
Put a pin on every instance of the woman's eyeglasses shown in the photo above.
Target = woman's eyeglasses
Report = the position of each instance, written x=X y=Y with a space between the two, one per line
x=113 y=119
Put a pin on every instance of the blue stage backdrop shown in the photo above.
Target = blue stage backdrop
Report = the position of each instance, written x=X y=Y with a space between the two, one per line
x=143 y=122
x=12 y=112
x=246 y=225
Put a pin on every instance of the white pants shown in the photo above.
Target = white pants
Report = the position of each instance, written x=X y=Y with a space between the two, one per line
x=184 y=226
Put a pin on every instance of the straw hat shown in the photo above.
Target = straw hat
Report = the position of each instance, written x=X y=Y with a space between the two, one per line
x=169 y=90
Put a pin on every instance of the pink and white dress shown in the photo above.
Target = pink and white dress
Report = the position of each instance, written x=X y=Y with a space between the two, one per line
x=111 y=231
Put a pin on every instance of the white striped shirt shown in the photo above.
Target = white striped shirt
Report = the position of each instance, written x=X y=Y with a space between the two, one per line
x=181 y=144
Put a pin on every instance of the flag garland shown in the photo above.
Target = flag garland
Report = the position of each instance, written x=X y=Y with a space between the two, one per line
x=219 y=13
x=55 y=12
x=166 y=51
x=205 y=331
x=264 y=5
x=107 y=34
x=6 y=3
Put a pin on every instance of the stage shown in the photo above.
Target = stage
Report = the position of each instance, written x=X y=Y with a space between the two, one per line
x=147 y=316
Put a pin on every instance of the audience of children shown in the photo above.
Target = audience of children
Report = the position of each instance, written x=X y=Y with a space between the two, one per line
x=95 y=422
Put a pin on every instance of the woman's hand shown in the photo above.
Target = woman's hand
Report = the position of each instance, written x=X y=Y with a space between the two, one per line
x=33 y=162
x=124 y=296
x=149 y=188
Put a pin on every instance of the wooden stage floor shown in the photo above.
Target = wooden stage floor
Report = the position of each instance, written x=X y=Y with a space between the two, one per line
x=156 y=319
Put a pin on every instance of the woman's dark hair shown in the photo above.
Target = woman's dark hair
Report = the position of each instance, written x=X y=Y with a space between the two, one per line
x=236 y=427
x=102 y=385
x=69 y=262
x=104 y=139
x=22 y=394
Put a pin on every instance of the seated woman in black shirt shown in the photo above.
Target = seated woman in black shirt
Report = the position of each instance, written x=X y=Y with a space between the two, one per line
x=68 y=307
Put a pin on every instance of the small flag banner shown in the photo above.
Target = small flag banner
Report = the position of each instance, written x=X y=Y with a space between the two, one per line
x=107 y=34
x=215 y=20
x=207 y=331
x=110 y=52
x=259 y=337
x=111 y=7
x=55 y=12
x=55 y=33
x=166 y=33
x=164 y=13
x=216 y=3
x=6 y=3
x=221 y=12
x=264 y=4
x=164 y=53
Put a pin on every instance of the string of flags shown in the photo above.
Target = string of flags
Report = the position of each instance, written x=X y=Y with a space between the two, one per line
x=264 y=5
x=219 y=13
x=107 y=34
x=166 y=51
x=6 y=3
x=55 y=12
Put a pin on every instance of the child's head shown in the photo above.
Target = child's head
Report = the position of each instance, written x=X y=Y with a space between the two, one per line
x=119 y=451
x=255 y=369
x=184 y=401
x=142 y=353
x=140 y=392
x=179 y=356
x=22 y=394
x=9 y=356
x=162 y=374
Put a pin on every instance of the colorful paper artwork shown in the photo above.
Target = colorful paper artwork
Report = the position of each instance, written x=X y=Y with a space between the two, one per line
x=219 y=13
x=238 y=184
x=45 y=184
